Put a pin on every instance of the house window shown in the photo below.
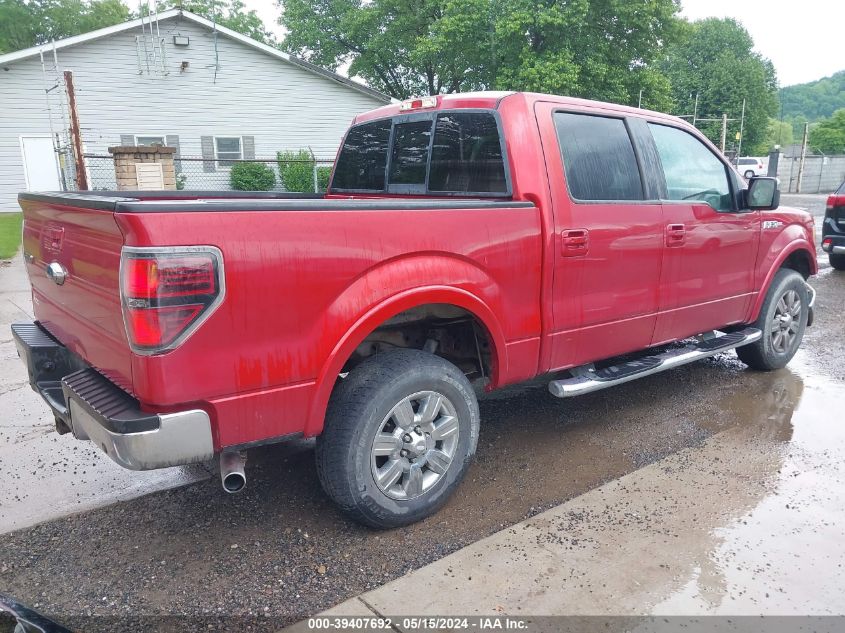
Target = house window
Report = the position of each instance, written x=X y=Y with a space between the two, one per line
x=150 y=140
x=228 y=149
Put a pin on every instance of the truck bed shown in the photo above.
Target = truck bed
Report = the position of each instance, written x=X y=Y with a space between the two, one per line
x=299 y=286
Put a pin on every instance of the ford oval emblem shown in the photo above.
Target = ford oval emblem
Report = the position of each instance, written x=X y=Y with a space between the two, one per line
x=57 y=273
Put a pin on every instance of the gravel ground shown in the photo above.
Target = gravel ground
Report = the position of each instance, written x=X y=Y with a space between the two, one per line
x=280 y=551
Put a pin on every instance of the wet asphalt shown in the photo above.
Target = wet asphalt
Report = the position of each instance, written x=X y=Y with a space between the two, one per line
x=280 y=551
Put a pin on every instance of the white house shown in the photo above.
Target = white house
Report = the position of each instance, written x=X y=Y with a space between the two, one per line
x=179 y=80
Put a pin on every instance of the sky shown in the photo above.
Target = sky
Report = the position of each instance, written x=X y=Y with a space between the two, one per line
x=803 y=39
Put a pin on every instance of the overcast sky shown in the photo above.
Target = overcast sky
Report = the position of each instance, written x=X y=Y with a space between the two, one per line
x=804 y=39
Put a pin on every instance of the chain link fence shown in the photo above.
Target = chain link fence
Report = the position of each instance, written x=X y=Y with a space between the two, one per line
x=822 y=174
x=203 y=174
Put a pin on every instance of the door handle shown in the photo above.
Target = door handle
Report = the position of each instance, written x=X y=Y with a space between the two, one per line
x=575 y=242
x=676 y=234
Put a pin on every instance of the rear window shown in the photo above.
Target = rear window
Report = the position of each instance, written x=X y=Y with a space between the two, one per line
x=450 y=152
x=747 y=161
x=408 y=161
x=598 y=158
x=362 y=162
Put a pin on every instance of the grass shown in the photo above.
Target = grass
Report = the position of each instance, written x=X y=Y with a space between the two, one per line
x=10 y=234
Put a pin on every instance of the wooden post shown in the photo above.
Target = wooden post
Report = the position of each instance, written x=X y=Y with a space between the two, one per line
x=75 y=134
x=803 y=158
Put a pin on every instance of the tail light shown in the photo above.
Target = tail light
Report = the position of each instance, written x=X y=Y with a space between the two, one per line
x=827 y=244
x=166 y=293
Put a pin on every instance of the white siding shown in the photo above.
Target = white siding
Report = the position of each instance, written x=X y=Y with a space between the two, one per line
x=254 y=94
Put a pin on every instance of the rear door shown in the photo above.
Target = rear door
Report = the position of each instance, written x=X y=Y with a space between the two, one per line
x=608 y=236
x=707 y=276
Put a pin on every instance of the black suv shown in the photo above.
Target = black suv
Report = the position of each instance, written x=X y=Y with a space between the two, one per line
x=833 y=229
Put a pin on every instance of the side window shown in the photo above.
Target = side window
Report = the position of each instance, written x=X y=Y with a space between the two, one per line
x=598 y=158
x=692 y=171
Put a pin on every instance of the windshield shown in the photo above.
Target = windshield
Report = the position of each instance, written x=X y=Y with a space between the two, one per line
x=444 y=153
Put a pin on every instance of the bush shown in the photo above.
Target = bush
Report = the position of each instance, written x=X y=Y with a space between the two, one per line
x=323 y=175
x=297 y=171
x=252 y=177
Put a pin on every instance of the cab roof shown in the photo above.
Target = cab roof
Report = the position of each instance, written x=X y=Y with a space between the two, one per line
x=492 y=99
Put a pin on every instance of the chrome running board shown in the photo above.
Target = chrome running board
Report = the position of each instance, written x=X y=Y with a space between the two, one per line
x=587 y=378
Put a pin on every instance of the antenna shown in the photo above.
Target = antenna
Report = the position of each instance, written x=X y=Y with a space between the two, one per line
x=151 y=51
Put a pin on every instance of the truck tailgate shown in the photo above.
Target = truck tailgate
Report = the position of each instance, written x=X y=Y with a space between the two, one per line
x=82 y=310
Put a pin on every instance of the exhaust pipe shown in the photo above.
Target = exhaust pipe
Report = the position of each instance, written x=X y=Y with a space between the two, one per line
x=232 y=473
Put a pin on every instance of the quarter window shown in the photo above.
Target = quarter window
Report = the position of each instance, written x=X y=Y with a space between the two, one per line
x=598 y=158
x=692 y=171
x=228 y=149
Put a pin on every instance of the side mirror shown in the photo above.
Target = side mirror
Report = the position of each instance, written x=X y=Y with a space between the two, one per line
x=762 y=194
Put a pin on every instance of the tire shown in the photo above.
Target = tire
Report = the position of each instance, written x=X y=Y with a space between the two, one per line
x=836 y=261
x=787 y=297
x=749 y=174
x=374 y=400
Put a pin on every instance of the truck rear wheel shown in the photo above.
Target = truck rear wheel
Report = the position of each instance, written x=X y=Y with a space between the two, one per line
x=783 y=319
x=837 y=261
x=400 y=432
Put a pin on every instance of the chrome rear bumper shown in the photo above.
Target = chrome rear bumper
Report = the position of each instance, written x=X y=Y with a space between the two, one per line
x=95 y=409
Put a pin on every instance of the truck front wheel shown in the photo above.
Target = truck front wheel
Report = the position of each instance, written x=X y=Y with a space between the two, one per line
x=783 y=319
x=400 y=432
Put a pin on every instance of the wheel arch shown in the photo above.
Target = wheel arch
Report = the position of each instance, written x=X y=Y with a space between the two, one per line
x=390 y=307
x=795 y=256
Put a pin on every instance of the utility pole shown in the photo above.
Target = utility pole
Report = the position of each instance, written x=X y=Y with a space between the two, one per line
x=75 y=134
x=741 y=126
x=803 y=157
x=724 y=131
x=640 y=102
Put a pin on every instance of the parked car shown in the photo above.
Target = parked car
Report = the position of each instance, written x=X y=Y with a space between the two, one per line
x=749 y=166
x=833 y=229
x=465 y=241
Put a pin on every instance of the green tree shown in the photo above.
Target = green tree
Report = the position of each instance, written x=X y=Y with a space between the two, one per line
x=715 y=59
x=602 y=49
x=32 y=22
x=232 y=15
x=777 y=133
x=828 y=136
x=816 y=99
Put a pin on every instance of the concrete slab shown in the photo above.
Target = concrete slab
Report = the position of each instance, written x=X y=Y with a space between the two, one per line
x=744 y=524
x=45 y=475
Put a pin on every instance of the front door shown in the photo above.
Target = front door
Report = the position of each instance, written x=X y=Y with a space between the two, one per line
x=607 y=242
x=40 y=164
x=707 y=278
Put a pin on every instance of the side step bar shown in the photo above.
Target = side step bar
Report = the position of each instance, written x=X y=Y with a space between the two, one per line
x=586 y=378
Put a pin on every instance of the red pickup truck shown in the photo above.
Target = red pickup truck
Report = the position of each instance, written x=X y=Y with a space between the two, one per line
x=466 y=241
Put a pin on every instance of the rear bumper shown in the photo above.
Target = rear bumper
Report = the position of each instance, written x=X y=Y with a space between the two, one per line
x=95 y=409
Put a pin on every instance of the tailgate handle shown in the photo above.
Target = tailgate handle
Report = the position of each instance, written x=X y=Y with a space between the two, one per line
x=575 y=242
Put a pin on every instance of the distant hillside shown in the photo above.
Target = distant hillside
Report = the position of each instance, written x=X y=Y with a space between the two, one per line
x=816 y=99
